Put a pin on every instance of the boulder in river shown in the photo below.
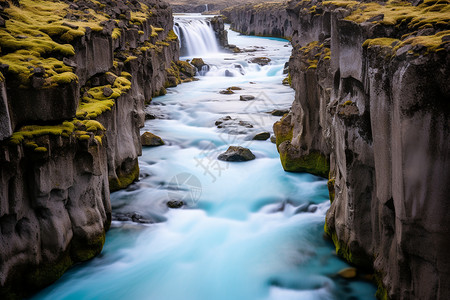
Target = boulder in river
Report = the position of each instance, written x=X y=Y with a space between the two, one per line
x=175 y=204
x=151 y=140
x=262 y=61
x=237 y=153
x=262 y=136
x=246 y=97
x=228 y=91
x=198 y=63
x=279 y=112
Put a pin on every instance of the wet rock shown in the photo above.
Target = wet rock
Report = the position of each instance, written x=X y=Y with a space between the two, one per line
x=175 y=204
x=262 y=61
x=273 y=139
x=348 y=273
x=235 y=88
x=262 y=136
x=198 y=63
x=222 y=120
x=245 y=124
x=246 y=97
x=237 y=153
x=228 y=73
x=279 y=112
x=131 y=217
x=107 y=91
x=151 y=140
x=226 y=92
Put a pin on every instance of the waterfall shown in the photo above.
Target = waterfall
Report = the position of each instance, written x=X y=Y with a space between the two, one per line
x=197 y=38
x=206 y=7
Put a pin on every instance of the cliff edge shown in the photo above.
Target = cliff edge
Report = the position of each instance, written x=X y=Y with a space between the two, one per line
x=75 y=76
x=371 y=114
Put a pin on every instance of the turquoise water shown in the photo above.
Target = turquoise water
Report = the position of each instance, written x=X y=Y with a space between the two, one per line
x=247 y=230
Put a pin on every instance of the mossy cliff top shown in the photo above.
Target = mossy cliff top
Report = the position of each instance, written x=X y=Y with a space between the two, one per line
x=424 y=27
x=38 y=34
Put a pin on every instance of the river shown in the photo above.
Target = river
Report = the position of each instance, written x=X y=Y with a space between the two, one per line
x=247 y=230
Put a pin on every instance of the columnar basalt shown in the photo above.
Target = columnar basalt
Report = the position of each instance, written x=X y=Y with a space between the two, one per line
x=73 y=85
x=371 y=114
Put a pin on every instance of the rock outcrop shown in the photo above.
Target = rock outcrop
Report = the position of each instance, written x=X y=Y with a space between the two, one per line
x=371 y=114
x=73 y=84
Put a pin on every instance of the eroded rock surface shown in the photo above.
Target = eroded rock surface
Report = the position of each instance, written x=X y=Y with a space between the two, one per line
x=371 y=114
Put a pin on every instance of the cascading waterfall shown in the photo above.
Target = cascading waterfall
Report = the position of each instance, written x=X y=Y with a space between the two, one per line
x=197 y=38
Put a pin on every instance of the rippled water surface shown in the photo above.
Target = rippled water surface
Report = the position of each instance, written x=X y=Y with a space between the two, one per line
x=248 y=230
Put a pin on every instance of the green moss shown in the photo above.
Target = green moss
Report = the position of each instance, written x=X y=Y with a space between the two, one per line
x=40 y=149
x=84 y=137
x=31 y=132
x=171 y=36
x=403 y=13
x=331 y=189
x=385 y=42
x=116 y=33
x=47 y=273
x=314 y=163
x=124 y=179
x=165 y=44
x=96 y=102
x=85 y=249
x=64 y=78
x=382 y=293
x=130 y=58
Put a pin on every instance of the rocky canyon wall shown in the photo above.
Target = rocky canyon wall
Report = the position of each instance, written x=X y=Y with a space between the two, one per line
x=74 y=80
x=371 y=114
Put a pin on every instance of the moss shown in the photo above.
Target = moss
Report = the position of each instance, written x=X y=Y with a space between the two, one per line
x=155 y=30
x=84 y=137
x=342 y=3
x=165 y=44
x=116 y=33
x=99 y=139
x=382 y=293
x=85 y=249
x=171 y=36
x=384 y=42
x=65 y=78
x=432 y=42
x=94 y=103
x=312 y=54
x=130 y=58
x=47 y=272
x=314 y=163
x=124 y=179
x=40 y=149
x=31 y=132
x=331 y=189
x=397 y=13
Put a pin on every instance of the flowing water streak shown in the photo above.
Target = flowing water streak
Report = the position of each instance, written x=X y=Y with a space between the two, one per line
x=248 y=230
x=196 y=36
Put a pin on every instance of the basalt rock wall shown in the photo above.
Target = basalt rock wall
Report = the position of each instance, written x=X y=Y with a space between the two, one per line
x=371 y=114
x=65 y=146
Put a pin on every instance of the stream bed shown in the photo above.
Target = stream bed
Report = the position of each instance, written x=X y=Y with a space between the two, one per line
x=246 y=230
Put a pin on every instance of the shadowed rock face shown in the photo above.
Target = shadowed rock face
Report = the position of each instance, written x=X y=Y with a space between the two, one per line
x=374 y=119
x=54 y=188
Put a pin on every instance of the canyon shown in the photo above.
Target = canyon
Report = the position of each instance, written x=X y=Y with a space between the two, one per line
x=370 y=114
